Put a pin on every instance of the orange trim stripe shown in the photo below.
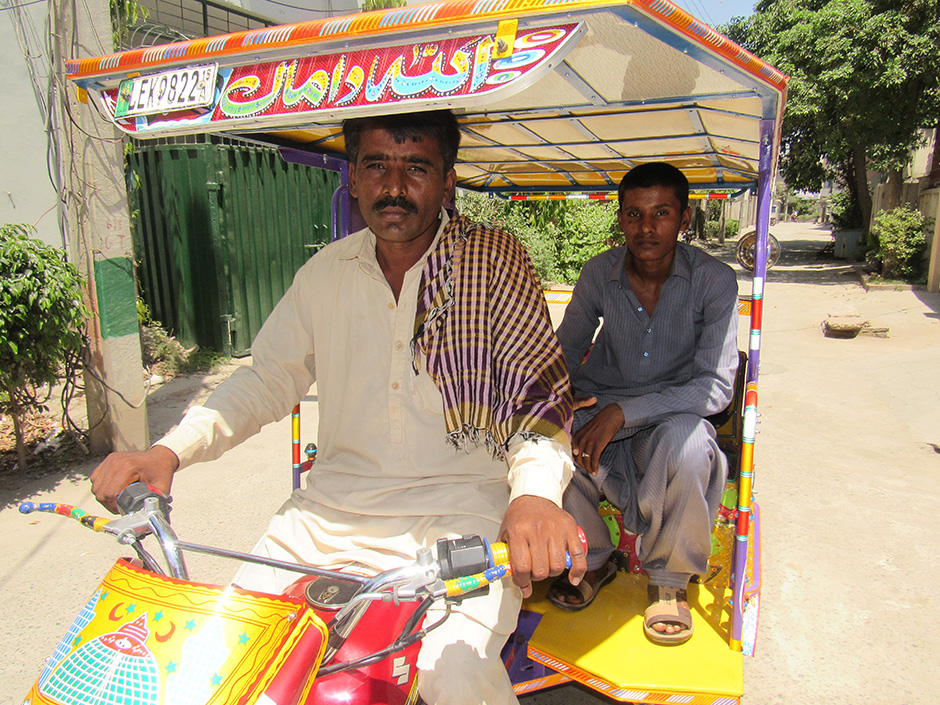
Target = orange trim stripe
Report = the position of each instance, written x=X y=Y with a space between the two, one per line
x=396 y=20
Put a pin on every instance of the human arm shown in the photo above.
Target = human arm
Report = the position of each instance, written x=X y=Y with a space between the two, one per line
x=707 y=390
x=537 y=529
x=281 y=373
x=532 y=393
x=576 y=335
x=155 y=466
x=708 y=387
x=582 y=315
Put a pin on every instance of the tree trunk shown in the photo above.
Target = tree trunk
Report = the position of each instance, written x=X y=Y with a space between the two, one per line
x=894 y=190
x=16 y=412
x=860 y=167
x=721 y=224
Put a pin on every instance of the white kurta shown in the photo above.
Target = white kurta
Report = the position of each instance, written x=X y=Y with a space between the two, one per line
x=386 y=482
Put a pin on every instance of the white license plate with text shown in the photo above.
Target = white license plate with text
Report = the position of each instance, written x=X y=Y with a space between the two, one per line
x=167 y=91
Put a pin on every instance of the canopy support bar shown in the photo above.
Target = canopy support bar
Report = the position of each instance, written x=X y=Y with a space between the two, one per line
x=746 y=477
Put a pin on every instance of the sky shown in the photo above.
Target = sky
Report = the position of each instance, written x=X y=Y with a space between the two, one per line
x=716 y=12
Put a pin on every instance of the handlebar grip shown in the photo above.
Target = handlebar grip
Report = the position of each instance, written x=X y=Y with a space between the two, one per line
x=499 y=567
x=67 y=510
x=499 y=551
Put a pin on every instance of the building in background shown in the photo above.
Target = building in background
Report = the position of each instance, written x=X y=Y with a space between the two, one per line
x=29 y=154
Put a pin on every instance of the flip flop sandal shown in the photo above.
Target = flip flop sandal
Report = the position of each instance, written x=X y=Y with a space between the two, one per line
x=583 y=591
x=665 y=607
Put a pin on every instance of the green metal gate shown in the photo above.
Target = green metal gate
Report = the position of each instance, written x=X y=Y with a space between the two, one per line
x=219 y=230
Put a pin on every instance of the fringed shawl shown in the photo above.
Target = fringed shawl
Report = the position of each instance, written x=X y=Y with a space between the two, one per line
x=483 y=330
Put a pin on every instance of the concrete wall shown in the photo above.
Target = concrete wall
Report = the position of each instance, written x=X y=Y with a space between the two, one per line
x=186 y=16
x=26 y=192
x=317 y=9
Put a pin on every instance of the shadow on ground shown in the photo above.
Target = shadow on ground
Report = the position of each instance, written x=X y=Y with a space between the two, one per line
x=802 y=261
x=18 y=488
x=166 y=405
x=931 y=301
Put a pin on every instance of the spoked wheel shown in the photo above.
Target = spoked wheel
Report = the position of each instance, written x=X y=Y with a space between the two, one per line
x=745 y=251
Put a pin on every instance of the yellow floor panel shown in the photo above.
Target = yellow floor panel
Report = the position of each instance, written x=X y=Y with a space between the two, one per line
x=604 y=647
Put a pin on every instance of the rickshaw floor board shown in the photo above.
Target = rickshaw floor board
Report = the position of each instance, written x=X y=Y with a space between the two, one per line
x=604 y=647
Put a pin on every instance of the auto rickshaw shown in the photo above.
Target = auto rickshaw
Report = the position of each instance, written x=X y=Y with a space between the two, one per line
x=555 y=99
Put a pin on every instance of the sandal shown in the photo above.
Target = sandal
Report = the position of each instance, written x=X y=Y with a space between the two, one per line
x=669 y=605
x=583 y=591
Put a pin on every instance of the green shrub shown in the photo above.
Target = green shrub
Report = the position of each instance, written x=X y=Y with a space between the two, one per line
x=41 y=322
x=560 y=236
x=163 y=354
x=845 y=213
x=712 y=228
x=588 y=229
x=900 y=243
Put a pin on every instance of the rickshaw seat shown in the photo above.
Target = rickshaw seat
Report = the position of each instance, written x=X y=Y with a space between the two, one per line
x=589 y=646
x=729 y=424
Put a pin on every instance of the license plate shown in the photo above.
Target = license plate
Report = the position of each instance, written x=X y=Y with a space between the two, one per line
x=167 y=91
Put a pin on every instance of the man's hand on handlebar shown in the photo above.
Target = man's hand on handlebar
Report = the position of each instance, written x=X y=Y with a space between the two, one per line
x=154 y=467
x=539 y=533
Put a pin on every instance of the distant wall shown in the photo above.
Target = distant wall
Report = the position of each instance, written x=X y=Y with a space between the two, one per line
x=282 y=13
x=745 y=210
x=26 y=193
x=930 y=207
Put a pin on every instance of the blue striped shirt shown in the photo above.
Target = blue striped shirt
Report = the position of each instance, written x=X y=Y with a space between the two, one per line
x=682 y=359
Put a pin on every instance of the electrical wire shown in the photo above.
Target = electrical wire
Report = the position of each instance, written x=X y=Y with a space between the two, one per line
x=24 y=4
x=304 y=9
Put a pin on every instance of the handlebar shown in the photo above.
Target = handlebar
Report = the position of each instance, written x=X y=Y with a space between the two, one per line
x=463 y=565
x=147 y=510
x=94 y=523
x=497 y=555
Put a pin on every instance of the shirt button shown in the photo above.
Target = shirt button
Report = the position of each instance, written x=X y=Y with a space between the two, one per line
x=646 y=354
x=398 y=346
x=391 y=307
x=394 y=385
x=640 y=308
x=649 y=330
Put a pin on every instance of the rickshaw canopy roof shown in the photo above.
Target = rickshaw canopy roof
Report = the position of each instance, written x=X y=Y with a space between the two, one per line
x=552 y=95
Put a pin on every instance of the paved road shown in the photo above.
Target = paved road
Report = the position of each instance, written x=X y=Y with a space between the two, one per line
x=848 y=478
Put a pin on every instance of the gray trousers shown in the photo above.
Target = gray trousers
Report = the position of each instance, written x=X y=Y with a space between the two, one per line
x=667 y=479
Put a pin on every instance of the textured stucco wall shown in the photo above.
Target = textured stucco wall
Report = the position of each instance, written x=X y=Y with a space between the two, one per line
x=26 y=193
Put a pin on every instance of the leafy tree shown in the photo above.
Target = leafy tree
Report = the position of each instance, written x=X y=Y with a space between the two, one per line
x=864 y=79
x=368 y=5
x=588 y=229
x=560 y=236
x=41 y=322
x=125 y=14
x=844 y=211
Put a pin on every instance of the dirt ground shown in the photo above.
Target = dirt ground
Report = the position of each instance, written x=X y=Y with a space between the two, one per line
x=847 y=477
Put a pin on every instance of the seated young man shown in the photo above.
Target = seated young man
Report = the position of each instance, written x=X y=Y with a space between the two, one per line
x=663 y=360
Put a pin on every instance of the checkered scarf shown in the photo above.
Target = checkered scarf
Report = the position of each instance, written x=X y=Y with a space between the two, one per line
x=482 y=325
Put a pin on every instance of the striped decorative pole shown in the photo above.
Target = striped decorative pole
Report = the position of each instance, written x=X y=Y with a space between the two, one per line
x=295 y=447
x=746 y=479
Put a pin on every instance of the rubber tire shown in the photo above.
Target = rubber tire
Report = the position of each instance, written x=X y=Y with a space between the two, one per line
x=744 y=252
